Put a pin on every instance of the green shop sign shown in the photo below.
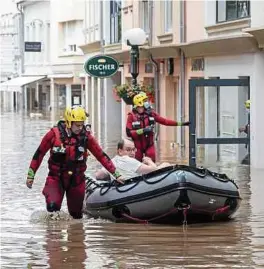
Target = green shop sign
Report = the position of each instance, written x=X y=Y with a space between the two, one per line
x=101 y=66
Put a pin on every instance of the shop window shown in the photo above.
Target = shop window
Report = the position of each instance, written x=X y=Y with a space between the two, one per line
x=232 y=10
x=76 y=94
x=62 y=96
x=71 y=36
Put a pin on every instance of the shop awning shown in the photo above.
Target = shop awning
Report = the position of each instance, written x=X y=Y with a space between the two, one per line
x=15 y=84
x=62 y=75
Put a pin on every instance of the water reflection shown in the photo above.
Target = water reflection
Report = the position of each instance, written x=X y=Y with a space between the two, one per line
x=100 y=244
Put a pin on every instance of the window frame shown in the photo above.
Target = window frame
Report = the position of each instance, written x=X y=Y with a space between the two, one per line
x=144 y=15
x=166 y=19
x=237 y=17
x=115 y=21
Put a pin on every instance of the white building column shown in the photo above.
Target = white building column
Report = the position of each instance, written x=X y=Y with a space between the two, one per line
x=20 y=107
x=123 y=109
x=37 y=93
x=86 y=94
x=30 y=99
x=256 y=113
x=82 y=94
x=17 y=101
x=99 y=81
x=25 y=98
x=52 y=94
x=68 y=95
x=93 y=102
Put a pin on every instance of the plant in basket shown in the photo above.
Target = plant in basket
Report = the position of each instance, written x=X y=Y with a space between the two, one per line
x=127 y=92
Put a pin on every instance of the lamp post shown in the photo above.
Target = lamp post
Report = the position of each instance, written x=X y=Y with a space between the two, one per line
x=135 y=37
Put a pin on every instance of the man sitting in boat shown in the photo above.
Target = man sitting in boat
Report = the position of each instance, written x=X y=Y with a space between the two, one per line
x=127 y=164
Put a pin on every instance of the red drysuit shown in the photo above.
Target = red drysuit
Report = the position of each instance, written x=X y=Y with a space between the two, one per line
x=67 y=164
x=144 y=143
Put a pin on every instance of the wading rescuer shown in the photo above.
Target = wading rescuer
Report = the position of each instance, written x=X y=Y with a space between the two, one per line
x=68 y=143
x=140 y=126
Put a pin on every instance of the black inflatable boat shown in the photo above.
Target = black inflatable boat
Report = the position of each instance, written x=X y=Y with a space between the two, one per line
x=173 y=194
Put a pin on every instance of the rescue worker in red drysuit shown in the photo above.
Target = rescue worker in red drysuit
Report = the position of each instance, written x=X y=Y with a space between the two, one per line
x=140 y=125
x=68 y=143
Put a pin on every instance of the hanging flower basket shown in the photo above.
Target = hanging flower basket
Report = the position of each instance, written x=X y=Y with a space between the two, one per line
x=126 y=92
x=116 y=96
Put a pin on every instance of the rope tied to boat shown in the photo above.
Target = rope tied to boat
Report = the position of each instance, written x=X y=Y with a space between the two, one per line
x=220 y=210
x=144 y=221
x=184 y=212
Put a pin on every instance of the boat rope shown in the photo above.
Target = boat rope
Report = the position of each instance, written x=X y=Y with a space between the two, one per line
x=144 y=221
x=214 y=212
x=184 y=211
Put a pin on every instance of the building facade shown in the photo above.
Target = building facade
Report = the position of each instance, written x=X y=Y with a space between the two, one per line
x=224 y=41
x=10 y=55
x=102 y=29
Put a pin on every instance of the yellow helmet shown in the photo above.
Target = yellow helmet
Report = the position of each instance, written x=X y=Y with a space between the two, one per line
x=75 y=113
x=247 y=104
x=139 y=99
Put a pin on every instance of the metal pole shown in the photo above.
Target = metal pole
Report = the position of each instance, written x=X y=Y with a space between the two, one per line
x=192 y=128
x=182 y=74
x=134 y=64
x=102 y=80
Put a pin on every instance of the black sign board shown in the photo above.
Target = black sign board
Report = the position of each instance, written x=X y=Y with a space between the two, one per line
x=33 y=46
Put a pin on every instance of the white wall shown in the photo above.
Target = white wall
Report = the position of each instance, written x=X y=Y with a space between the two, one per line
x=256 y=112
x=70 y=12
x=37 y=29
x=112 y=109
x=257 y=13
x=210 y=13
x=232 y=111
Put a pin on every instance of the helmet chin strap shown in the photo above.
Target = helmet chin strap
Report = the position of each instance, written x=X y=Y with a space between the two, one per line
x=68 y=131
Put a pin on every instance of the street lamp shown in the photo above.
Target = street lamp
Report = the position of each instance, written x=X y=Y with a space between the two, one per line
x=135 y=37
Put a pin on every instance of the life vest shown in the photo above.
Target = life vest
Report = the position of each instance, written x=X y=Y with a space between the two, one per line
x=142 y=120
x=68 y=152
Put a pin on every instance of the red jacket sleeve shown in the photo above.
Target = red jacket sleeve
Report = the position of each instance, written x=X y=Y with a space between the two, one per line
x=99 y=154
x=162 y=120
x=129 y=129
x=45 y=145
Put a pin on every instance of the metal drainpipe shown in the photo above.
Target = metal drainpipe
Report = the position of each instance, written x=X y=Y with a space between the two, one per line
x=154 y=63
x=182 y=73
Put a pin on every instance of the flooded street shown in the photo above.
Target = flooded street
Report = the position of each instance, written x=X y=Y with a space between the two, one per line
x=29 y=241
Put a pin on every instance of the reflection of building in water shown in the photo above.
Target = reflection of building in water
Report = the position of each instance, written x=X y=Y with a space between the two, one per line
x=159 y=246
x=256 y=219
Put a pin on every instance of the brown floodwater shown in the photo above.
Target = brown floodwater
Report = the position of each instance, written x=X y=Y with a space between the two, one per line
x=29 y=239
